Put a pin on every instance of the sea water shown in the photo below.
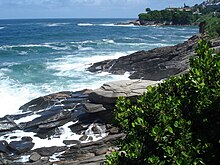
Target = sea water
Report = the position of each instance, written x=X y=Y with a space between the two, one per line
x=43 y=56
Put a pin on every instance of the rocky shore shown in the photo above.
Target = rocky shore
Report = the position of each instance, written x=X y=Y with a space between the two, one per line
x=75 y=127
x=155 y=64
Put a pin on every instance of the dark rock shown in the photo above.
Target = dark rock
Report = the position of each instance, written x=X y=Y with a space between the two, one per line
x=53 y=124
x=13 y=137
x=45 y=102
x=48 y=119
x=155 y=64
x=34 y=157
x=83 y=138
x=5 y=161
x=96 y=160
x=99 y=66
x=7 y=124
x=70 y=106
x=91 y=108
x=20 y=146
x=102 y=116
x=114 y=130
x=74 y=100
x=3 y=146
x=27 y=138
x=71 y=142
x=101 y=151
x=49 y=151
x=112 y=138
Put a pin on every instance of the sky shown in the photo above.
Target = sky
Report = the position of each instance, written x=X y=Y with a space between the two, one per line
x=18 y=9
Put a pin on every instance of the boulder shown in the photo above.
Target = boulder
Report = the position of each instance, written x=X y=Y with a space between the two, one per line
x=34 y=157
x=109 y=92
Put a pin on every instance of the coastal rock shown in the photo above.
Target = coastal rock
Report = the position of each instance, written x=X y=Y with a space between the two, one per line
x=49 y=120
x=91 y=107
x=3 y=146
x=49 y=151
x=34 y=157
x=19 y=147
x=7 y=124
x=45 y=102
x=155 y=64
x=109 y=92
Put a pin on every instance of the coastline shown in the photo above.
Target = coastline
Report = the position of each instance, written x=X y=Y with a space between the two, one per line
x=44 y=116
x=91 y=108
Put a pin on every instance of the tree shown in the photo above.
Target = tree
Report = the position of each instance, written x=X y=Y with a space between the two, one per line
x=147 y=9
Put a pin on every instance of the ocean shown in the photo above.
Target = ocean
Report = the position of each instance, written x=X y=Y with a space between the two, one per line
x=44 y=56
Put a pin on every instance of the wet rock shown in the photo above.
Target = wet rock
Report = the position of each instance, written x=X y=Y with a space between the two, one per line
x=53 y=124
x=7 y=124
x=45 y=101
x=71 y=142
x=102 y=117
x=3 y=146
x=49 y=151
x=83 y=138
x=48 y=119
x=5 y=161
x=101 y=151
x=109 y=92
x=155 y=64
x=74 y=100
x=34 y=157
x=27 y=138
x=19 y=147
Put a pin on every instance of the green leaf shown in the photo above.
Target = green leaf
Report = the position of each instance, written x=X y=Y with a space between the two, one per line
x=170 y=129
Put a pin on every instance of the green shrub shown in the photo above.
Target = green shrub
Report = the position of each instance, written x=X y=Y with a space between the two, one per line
x=177 y=121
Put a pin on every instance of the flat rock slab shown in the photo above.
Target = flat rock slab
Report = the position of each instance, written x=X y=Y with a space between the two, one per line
x=109 y=92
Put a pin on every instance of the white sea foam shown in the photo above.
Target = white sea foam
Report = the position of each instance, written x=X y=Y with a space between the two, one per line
x=2 y=28
x=56 y=24
x=108 y=41
x=23 y=53
x=151 y=36
x=119 y=25
x=85 y=48
x=106 y=24
x=85 y=24
x=13 y=95
x=46 y=45
x=26 y=119
x=64 y=133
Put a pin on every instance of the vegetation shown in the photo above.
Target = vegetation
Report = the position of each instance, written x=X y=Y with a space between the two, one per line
x=176 y=122
x=176 y=17
x=212 y=24
x=209 y=14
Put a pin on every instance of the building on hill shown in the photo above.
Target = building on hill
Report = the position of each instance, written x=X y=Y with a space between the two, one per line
x=178 y=9
x=213 y=2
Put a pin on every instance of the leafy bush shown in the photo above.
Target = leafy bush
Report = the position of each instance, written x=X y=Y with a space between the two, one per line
x=177 y=121
x=176 y=17
x=212 y=25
